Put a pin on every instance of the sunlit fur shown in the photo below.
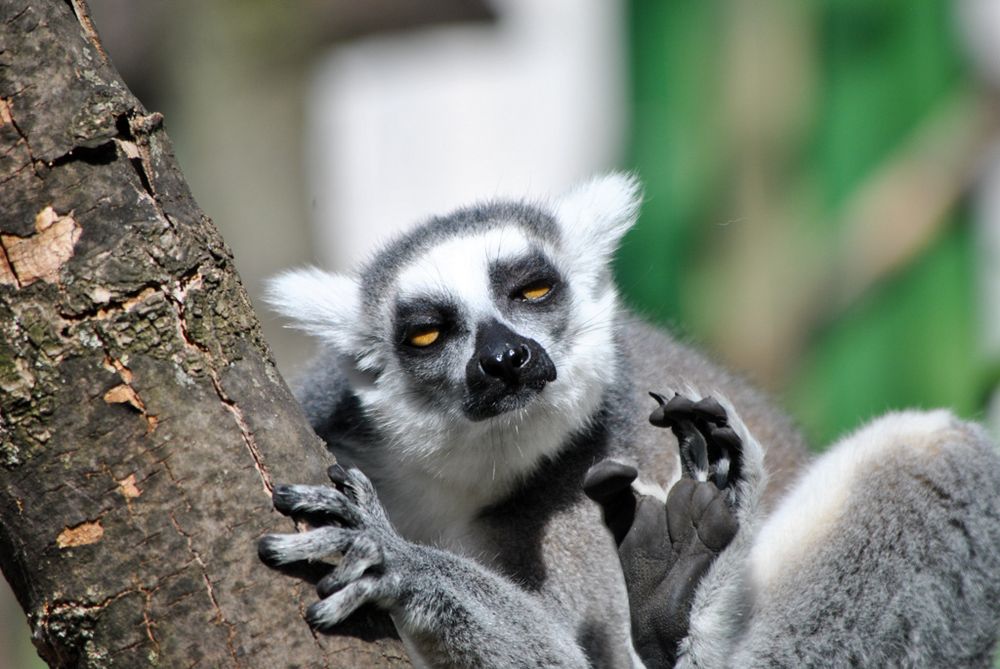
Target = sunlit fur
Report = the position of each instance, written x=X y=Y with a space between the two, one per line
x=445 y=467
x=882 y=554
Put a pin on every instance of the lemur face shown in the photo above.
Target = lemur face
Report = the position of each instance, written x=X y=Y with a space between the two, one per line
x=474 y=320
x=492 y=316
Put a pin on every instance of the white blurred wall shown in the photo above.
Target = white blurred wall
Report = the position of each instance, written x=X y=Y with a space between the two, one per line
x=401 y=127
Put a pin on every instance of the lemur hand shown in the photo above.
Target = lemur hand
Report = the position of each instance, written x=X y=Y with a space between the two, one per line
x=665 y=550
x=354 y=525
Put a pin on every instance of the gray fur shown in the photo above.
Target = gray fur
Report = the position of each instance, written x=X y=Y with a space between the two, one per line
x=924 y=527
x=531 y=578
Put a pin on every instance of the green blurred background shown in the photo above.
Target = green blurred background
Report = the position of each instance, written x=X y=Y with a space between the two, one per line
x=810 y=172
x=808 y=167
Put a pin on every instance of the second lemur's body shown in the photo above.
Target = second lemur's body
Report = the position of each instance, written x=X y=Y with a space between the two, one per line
x=474 y=370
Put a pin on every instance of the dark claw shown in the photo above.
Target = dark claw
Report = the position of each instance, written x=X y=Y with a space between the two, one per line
x=657 y=418
x=283 y=498
x=267 y=551
x=313 y=618
x=337 y=474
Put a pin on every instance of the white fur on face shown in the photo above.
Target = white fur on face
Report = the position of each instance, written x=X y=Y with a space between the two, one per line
x=444 y=455
x=459 y=269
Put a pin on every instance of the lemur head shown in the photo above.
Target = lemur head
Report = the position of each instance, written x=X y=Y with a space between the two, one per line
x=493 y=316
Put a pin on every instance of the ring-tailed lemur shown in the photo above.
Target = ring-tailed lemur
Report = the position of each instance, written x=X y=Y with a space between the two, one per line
x=478 y=367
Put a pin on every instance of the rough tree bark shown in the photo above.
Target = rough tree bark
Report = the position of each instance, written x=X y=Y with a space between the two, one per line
x=142 y=421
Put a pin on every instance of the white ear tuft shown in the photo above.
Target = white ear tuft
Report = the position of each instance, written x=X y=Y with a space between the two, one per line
x=325 y=305
x=595 y=215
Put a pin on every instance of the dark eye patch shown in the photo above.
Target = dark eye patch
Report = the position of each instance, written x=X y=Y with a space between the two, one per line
x=415 y=318
x=531 y=279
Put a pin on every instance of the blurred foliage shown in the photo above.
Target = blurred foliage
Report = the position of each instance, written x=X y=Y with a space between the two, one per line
x=909 y=342
x=849 y=83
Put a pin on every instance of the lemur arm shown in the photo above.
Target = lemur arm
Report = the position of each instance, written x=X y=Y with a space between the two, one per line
x=449 y=610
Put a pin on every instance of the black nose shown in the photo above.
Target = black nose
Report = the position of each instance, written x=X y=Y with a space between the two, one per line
x=504 y=360
x=505 y=371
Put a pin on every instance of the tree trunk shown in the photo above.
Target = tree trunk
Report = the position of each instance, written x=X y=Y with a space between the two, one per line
x=142 y=421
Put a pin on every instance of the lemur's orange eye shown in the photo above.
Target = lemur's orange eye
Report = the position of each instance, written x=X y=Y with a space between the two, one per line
x=424 y=337
x=536 y=291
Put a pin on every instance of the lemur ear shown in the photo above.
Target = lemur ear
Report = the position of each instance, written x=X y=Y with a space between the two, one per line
x=595 y=215
x=325 y=305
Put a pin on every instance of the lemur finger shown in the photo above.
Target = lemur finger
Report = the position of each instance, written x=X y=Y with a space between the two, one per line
x=279 y=549
x=709 y=410
x=307 y=499
x=334 y=609
x=609 y=483
x=717 y=525
x=693 y=450
x=670 y=411
x=679 y=527
x=337 y=474
x=607 y=479
x=658 y=418
x=677 y=591
x=643 y=545
x=364 y=554
x=678 y=413
x=720 y=472
x=360 y=487
x=731 y=449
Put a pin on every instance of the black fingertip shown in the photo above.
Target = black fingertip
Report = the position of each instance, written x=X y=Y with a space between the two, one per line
x=337 y=474
x=679 y=406
x=283 y=498
x=314 y=619
x=693 y=449
x=709 y=410
x=267 y=551
x=609 y=484
x=607 y=479
x=676 y=409
x=659 y=416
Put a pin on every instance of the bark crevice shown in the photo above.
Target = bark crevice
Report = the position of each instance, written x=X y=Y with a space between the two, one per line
x=141 y=417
